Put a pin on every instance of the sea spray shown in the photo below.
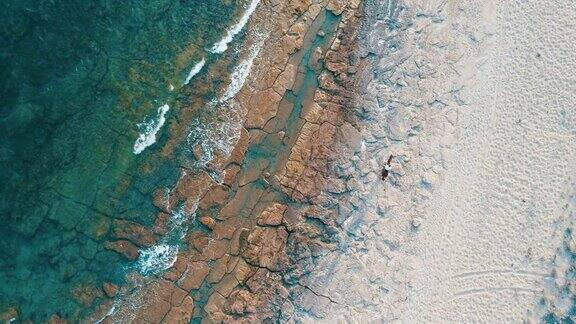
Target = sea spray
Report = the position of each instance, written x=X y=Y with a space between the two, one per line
x=217 y=130
x=162 y=255
x=157 y=258
x=152 y=261
x=222 y=45
x=110 y=312
x=195 y=70
x=215 y=133
x=149 y=128
x=241 y=71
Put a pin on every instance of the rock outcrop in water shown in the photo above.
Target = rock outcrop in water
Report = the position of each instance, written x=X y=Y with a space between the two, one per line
x=275 y=208
x=328 y=176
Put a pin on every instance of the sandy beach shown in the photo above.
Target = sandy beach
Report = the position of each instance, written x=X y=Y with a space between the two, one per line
x=318 y=161
x=471 y=105
x=475 y=103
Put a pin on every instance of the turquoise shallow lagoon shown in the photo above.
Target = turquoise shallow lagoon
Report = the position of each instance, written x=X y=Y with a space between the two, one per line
x=76 y=78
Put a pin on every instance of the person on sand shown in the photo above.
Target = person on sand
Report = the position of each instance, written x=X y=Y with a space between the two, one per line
x=386 y=168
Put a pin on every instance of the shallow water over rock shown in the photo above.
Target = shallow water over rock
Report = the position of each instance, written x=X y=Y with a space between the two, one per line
x=77 y=78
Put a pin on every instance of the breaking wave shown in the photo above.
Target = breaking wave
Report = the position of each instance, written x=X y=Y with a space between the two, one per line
x=157 y=258
x=218 y=131
x=215 y=134
x=222 y=45
x=163 y=255
x=195 y=70
x=149 y=128
x=240 y=73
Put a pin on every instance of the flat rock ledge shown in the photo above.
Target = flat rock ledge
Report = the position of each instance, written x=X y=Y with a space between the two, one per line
x=277 y=205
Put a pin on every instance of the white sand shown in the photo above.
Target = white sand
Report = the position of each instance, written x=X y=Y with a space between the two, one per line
x=498 y=217
x=478 y=106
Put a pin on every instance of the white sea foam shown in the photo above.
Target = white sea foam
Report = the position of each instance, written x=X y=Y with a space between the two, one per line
x=222 y=45
x=163 y=255
x=110 y=312
x=240 y=73
x=157 y=258
x=179 y=217
x=195 y=70
x=148 y=130
x=218 y=132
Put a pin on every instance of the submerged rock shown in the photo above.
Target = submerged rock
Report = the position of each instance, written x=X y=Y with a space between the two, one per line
x=124 y=247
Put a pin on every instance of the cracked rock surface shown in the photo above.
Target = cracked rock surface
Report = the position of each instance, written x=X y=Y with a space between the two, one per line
x=267 y=208
x=391 y=161
x=480 y=189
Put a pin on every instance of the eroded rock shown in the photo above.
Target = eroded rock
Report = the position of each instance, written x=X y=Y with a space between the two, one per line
x=265 y=247
x=194 y=275
x=272 y=215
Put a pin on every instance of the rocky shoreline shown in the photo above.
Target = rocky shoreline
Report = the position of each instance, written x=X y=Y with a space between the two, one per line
x=354 y=165
x=267 y=210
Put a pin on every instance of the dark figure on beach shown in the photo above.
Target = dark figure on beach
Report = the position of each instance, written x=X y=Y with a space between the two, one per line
x=386 y=168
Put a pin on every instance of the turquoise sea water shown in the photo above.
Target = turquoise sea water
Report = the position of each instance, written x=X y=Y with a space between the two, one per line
x=76 y=79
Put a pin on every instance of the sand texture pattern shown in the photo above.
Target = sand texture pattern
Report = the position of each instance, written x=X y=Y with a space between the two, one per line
x=381 y=161
x=474 y=101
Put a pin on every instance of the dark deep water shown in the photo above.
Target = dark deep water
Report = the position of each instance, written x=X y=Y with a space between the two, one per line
x=76 y=77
